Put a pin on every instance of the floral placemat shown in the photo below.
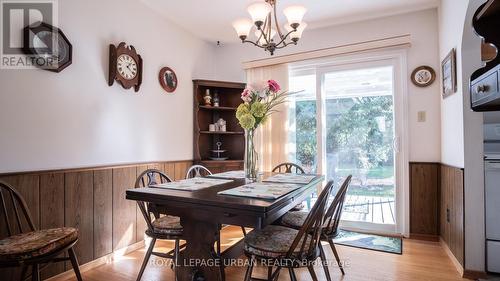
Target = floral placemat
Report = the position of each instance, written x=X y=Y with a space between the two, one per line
x=290 y=178
x=230 y=175
x=192 y=184
x=261 y=190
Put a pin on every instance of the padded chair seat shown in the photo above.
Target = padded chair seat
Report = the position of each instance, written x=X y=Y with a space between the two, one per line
x=273 y=241
x=296 y=220
x=169 y=225
x=36 y=243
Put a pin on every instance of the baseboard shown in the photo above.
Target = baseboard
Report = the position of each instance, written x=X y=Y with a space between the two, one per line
x=425 y=237
x=98 y=262
x=474 y=275
x=454 y=260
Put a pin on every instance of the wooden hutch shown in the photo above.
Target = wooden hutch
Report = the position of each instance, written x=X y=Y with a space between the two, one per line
x=485 y=82
x=205 y=141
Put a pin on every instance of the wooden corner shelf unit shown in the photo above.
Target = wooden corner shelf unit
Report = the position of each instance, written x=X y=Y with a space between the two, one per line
x=233 y=139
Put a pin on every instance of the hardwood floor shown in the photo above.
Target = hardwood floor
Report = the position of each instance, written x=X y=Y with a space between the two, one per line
x=420 y=261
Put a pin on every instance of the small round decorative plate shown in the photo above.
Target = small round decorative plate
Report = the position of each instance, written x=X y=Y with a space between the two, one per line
x=168 y=79
x=423 y=76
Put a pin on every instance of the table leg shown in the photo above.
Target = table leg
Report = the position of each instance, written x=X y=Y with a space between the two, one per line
x=198 y=261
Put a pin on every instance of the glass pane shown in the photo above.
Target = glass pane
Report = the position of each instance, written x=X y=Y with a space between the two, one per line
x=359 y=141
x=302 y=120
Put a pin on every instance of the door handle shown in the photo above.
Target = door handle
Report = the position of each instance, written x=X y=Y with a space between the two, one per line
x=395 y=144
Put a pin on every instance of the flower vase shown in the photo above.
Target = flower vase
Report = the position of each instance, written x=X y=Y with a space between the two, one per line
x=251 y=157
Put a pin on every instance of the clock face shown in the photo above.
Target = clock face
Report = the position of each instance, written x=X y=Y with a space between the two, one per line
x=126 y=66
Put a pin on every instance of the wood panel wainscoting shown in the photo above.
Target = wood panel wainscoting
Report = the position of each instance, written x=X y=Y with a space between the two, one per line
x=451 y=212
x=424 y=201
x=86 y=199
x=437 y=207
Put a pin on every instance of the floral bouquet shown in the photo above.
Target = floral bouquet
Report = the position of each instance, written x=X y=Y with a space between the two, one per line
x=259 y=102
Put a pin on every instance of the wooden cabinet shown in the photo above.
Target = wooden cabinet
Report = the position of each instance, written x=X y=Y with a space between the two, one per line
x=232 y=140
x=484 y=86
x=424 y=202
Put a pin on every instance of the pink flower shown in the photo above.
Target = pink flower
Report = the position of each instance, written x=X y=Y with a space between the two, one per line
x=246 y=96
x=273 y=86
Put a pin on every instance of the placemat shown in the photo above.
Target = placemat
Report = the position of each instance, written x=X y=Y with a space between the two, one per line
x=290 y=178
x=230 y=175
x=192 y=184
x=261 y=190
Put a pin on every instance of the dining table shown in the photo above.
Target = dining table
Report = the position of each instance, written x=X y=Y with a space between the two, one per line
x=203 y=211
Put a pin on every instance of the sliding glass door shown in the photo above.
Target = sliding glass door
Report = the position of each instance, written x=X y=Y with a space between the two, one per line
x=345 y=124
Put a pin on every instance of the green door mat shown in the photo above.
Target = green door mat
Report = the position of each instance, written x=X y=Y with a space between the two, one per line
x=393 y=245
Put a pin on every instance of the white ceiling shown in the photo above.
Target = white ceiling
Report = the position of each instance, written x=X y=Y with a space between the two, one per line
x=211 y=19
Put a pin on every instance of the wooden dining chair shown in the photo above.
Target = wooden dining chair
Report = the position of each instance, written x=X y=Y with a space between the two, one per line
x=288 y=167
x=292 y=168
x=163 y=227
x=25 y=245
x=331 y=226
x=197 y=171
x=284 y=247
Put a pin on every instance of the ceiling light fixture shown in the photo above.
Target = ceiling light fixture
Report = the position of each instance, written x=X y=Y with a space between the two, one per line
x=263 y=16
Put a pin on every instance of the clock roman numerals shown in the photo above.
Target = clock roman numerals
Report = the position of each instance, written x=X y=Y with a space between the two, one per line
x=127 y=67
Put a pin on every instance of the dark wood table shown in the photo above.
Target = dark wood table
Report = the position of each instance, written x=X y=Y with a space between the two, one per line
x=203 y=211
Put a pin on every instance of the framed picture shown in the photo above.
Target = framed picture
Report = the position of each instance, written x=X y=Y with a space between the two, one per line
x=449 y=74
x=168 y=79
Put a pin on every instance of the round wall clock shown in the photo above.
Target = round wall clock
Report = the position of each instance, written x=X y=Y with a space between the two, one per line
x=423 y=76
x=125 y=66
x=49 y=45
x=168 y=79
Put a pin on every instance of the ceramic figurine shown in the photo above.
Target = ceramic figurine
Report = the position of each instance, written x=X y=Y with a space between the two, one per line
x=216 y=99
x=208 y=98
x=221 y=125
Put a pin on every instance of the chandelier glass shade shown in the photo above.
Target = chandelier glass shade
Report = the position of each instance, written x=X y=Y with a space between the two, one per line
x=269 y=35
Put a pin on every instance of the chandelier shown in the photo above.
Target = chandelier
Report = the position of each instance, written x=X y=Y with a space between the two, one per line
x=269 y=35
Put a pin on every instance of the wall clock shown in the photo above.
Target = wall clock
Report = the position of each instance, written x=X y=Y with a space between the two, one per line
x=168 y=79
x=50 y=47
x=423 y=76
x=125 y=66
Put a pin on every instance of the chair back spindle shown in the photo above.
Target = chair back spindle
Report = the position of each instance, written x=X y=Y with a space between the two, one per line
x=197 y=171
x=290 y=168
x=334 y=213
x=145 y=179
x=312 y=227
x=14 y=218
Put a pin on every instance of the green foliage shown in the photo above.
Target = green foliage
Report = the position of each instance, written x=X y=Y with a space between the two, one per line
x=355 y=131
x=305 y=112
x=359 y=130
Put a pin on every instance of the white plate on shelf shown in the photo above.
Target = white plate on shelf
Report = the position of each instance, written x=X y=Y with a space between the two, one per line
x=219 y=158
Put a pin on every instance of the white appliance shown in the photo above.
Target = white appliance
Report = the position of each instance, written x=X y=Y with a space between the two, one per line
x=492 y=195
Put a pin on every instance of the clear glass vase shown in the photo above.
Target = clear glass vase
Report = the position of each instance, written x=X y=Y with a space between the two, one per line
x=251 y=157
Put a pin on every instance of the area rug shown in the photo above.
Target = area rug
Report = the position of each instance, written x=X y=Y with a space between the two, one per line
x=393 y=245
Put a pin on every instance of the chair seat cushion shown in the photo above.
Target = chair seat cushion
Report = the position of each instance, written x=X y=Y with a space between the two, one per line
x=36 y=243
x=273 y=241
x=294 y=219
x=169 y=225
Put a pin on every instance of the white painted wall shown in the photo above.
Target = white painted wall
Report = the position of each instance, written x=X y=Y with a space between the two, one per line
x=74 y=119
x=423 y=25
x=473 y=149
x=451 y=23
